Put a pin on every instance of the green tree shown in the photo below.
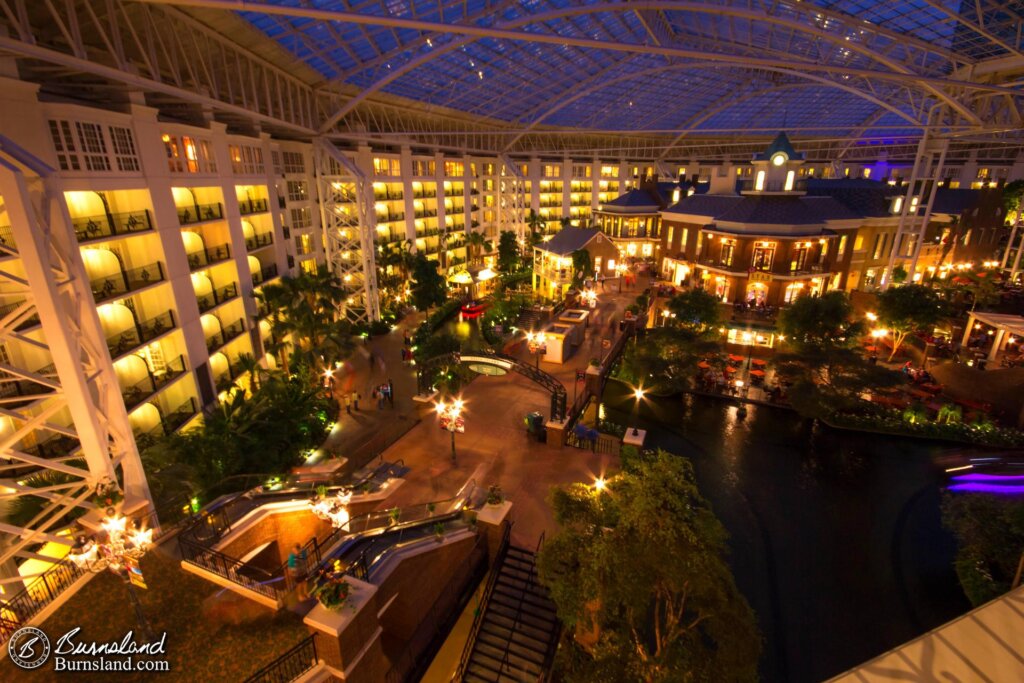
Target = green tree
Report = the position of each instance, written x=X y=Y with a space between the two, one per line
x=1013 y=193
x=638 y=574
x=989 y=530
x=508 y=252
x=582 y=264
x=905 y=310
x=666 y=362
x=820 y=321
x=695 y=310
x=428 y=287
x=565 y=222
x=478 y=244
x=537 y=225
x=306 y=309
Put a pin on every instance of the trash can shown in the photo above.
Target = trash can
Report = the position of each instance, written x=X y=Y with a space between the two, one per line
x=535 y=425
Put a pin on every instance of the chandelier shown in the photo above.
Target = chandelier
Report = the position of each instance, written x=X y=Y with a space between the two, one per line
x=120 y=542
x=333 y=509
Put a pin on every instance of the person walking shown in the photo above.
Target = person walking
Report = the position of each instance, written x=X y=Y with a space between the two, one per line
x=297 y=572
x=355 y=400
x=348 y=402
x=391 y=392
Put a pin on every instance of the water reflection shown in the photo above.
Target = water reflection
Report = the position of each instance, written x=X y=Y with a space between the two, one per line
x=836 y=537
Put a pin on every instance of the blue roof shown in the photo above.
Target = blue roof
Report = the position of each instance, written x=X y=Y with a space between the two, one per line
x=548 y=83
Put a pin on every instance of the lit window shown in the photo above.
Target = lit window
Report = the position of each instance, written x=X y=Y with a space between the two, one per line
x=759 y=181
x=790 y=178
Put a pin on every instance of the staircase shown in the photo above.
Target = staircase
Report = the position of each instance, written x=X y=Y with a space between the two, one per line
x=517 y=632
x=528 y=320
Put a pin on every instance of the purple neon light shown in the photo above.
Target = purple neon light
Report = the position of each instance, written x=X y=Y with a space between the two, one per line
x=975 y=487
x=977 y=476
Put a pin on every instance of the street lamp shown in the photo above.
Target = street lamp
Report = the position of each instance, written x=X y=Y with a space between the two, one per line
x=537 y=341
x=118 y=548
x=638 y=394
x=600 y=484
x=450 y=416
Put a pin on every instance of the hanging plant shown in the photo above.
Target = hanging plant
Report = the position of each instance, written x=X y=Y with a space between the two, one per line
x=332 y=593
x=108 y=495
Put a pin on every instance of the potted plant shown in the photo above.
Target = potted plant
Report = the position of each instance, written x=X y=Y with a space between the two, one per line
x=494 y=495
x=332 y=592
x=431 y=507
x=438 y=530
x=395 y=514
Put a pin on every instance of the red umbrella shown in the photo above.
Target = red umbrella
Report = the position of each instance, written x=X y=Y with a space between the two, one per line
x=730 y=369
x=703 y=365
x=757 y=373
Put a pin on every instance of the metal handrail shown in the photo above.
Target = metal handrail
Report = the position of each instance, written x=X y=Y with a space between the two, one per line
x=478 y=618
x=27 y=603
x=289 y=665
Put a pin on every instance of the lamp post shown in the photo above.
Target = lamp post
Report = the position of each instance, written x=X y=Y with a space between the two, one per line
x=638 y=394
x=450 y=416
x=537 y=342
x=118 y=548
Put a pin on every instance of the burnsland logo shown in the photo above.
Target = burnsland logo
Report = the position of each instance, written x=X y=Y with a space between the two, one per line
x=30 y=648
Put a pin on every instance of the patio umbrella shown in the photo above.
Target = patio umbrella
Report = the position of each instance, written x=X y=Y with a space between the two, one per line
x=703 y=365
x=735 y=359
x=758 y=362
x=730 y=369
x=757 y=373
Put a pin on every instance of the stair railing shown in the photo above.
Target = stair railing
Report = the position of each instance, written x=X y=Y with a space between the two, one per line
x=485 y=599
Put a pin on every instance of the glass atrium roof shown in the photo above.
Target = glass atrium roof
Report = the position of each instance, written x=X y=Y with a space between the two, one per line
x=840 y=67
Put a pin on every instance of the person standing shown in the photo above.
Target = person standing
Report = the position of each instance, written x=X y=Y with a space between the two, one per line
x=355 y=400
x=297 y=572
x=348 y=402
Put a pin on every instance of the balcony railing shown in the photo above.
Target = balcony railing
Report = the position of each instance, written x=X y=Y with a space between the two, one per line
x=425 y=194
x=734 y=267
x=55 y=447
x=207 y=256
x=251 y=206
x=118 y=284
x=217 y=296
x=289 y=666
x=12 y=386
x=258 y=241
x=28 y=322
x=140 y=334
x=110 y=225
x=150 y=384
x=388 y=194
x=391 y=217
x=428 y=213
x=179 y=416
x=7 y=237
x=265 y=274
x=226 y=334
x=200 y=212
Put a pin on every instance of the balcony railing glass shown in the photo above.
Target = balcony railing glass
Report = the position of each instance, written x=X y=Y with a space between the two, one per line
x=263 y=239
x=199 y=213
x=142 y=333
x=208 y=256
x=217 y=296
x=150 y=384
x=110 y=225
x=251 y=206
x=119 y=284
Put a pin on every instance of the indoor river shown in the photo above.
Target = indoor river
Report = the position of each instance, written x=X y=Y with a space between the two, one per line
x=836 y=538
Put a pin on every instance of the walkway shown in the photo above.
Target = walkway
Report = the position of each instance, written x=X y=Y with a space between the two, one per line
x=362 y=434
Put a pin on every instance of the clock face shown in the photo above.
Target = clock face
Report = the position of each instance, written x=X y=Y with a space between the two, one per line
x=778 y=159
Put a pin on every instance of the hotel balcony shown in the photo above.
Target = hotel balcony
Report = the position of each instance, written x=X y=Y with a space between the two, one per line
x=267 y=273
x=142 y=333
x=13 y=387
x=57 y=446
x=251 y=206
x=126 y=281
x=111 y=225
x=387 y=194
x=208 y=256
x=225 y=335
x=199 y=213
x=216 y=297
x=149 y=385
x=7 y=309
x=170 y=422
x=259 y=241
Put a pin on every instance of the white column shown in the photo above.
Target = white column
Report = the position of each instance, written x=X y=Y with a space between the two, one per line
x=968 y=330
x=996 y=343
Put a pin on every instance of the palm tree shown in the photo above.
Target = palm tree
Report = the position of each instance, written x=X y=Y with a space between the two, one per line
x=477 y=244
x=537 y=224
x=565 y=221
x=248 y=363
